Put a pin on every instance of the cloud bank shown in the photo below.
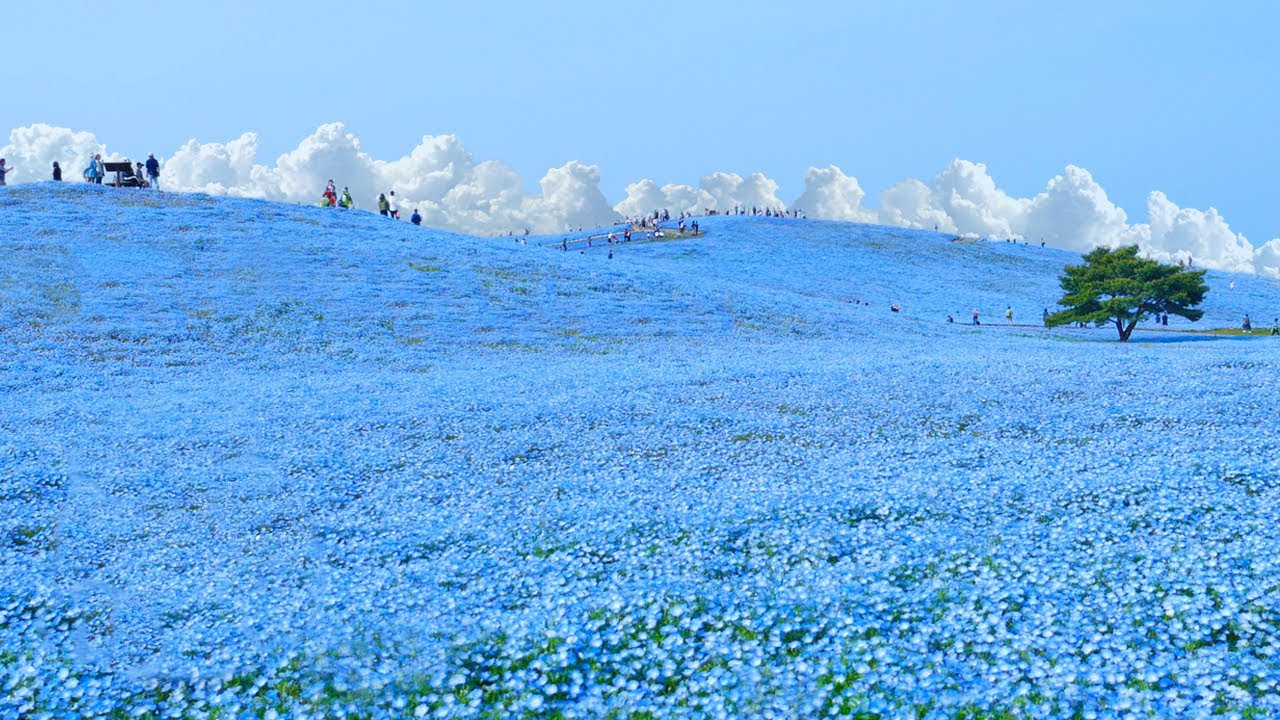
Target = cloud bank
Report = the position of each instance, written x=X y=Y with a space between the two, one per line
x=454 y=191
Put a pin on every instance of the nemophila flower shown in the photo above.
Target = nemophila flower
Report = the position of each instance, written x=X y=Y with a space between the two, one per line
x=452 y=479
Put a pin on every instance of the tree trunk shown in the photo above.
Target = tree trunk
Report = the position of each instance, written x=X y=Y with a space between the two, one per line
x=1126 y=331
x=1124 y=336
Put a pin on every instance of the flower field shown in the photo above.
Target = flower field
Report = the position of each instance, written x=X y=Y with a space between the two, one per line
x=262 y=460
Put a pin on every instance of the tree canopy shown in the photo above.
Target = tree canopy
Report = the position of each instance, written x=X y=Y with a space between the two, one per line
x=1116 y=286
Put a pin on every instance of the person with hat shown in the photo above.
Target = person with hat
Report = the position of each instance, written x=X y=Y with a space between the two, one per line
x=153 y=171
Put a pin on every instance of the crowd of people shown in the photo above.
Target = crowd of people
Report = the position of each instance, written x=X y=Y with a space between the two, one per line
x=146 y=175
x=388 y=205
x=143 y=175
x=753 y=210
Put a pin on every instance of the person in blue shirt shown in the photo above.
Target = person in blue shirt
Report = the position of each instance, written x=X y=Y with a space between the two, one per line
x=94 y=172
x=3 y=171
x=416 y=219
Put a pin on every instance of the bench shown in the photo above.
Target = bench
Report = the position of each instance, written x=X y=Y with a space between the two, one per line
x=125 y=176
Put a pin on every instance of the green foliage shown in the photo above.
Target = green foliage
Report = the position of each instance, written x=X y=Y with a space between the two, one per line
x=1116 y=286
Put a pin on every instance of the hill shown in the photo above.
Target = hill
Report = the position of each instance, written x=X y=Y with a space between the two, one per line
x=269 y=460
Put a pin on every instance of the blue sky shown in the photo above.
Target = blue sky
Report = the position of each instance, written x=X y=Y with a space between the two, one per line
x=1171 y=96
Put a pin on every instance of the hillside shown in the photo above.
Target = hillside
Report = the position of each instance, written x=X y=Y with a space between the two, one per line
x=260 y=458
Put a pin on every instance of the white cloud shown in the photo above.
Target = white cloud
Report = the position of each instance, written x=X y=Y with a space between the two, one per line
x=33 y=149
x=1074 y=212
x=644 y=197
x=719 y=191
x=968 y=194
x=570 y=197
x=910 y=204
x=218 y=168
x=454 y=191
x=1266 y=259
x=832 y=195
x=1201 y=236
x=438 y=176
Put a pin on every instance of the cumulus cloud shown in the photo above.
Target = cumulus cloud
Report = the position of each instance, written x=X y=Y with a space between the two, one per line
x=1201 y=236
x=217 y=168
x=32 y=150
x=719 y=192
x=910 y=203
x=1072 y=212
x=969 y=196
x=438 y=176
x=830 y=194
x=455 y=191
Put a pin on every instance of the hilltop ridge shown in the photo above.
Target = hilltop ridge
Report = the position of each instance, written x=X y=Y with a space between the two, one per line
x=190 y=259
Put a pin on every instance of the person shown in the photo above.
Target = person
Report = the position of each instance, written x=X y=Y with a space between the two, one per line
x=4 y=170
x=1164 y=320
x=153 y=171
x=94 y=172
x=57 y=171
x=416 y=219
x=140 y=174
x=393 y=207
x=383 y=207
x=1275 y=326
x=1008 y=315
x=1247 y=326
x=330 y=194
x=975 y=317
x=950 y=319
x=346 y=202
x=1046 y=316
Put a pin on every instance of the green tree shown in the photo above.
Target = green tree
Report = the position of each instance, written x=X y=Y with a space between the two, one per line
x=1117 y=286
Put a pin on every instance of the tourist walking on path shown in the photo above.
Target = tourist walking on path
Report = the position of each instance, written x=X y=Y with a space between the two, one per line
x=153 y=171
x=57 y=171
x=383 y=206
x=345 y=202
x=393 y=207
x=4 y=170
x=975 y=317
x=1008 y=315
